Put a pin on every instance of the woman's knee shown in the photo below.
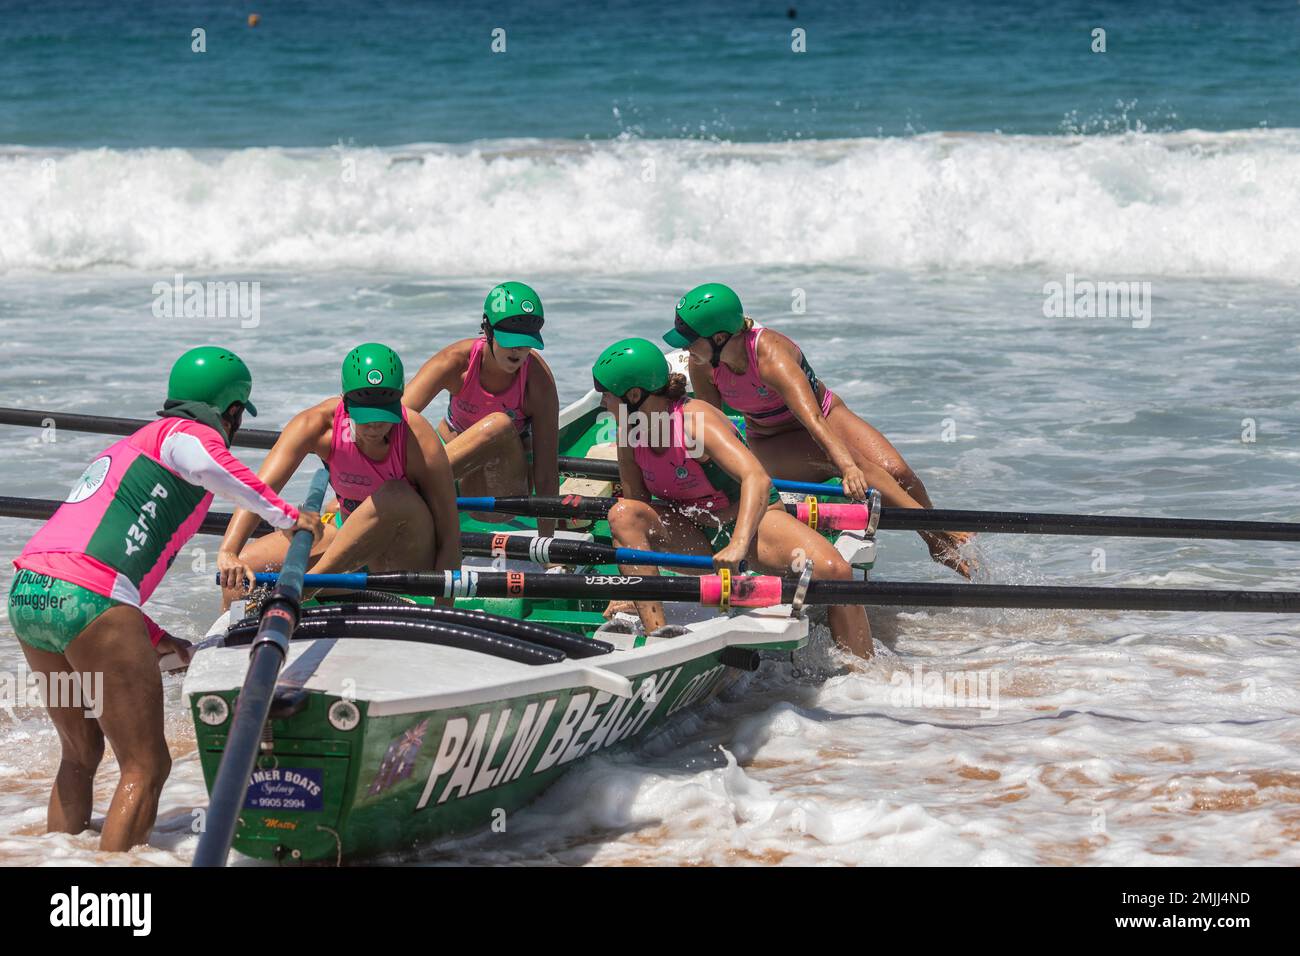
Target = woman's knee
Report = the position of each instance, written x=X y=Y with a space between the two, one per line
x=630 y=517
x=397 y=498
x=831 y=567
x=497 y=427
x=151 y=768
x=82 y=752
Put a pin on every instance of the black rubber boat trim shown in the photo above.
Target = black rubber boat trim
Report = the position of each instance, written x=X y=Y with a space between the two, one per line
x=420 y=632
x=571 y=644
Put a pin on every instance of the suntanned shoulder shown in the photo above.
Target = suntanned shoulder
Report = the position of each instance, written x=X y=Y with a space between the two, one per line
x=774 y=344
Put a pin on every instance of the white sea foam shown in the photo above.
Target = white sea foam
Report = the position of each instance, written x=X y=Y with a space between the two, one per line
x=1190 y=203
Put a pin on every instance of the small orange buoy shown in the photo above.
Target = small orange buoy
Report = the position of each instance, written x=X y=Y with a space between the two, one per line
x=254 y=19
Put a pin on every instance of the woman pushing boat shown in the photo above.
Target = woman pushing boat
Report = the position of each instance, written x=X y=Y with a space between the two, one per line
x=502 y=425
x=797 y=427
x=75 y=603
x=396 y=506
x=713 y=494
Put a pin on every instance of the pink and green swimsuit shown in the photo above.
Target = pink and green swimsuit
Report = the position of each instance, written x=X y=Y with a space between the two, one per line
x=123 y=524
x=747 y=393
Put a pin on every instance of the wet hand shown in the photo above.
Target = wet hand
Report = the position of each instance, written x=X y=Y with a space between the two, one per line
x=307 y=521
x=183 y=649
x=946 y=547
x=234 y=573
x=855 y=483
x=731 y=557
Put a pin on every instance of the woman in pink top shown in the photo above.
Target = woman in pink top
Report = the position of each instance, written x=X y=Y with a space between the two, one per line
x=796 y=425
x=691 y=485
x=75 y=600
x=502 y=424
x=396 y=507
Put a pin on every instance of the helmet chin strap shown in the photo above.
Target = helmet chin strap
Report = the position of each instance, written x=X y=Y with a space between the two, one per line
x=633 y=408
x=717 y=350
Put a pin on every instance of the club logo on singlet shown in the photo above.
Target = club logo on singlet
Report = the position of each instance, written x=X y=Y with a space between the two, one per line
x=682 y=473
x=90 y=480
x=762 y=391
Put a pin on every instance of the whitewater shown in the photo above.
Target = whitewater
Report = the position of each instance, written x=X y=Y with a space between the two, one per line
x=1171 y=204
x=913 y=270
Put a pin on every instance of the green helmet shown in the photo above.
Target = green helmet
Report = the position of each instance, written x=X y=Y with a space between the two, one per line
x=704 y=312
x=373 y=380
x=514 y=311
x=211 y=375
x=629 y=364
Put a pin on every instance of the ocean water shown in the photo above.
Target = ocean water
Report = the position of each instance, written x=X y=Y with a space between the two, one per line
x=900 y=199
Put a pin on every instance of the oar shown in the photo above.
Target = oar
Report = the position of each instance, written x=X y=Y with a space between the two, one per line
x=717 y=590
x=563 y=551
x=892 y=519
x=605 y=468
x=105 y=425
x=826 y=517
x=270 y=647
x=1124 y=526
x=525 y=547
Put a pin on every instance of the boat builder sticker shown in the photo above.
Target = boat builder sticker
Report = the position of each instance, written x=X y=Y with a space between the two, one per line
x=286 y=788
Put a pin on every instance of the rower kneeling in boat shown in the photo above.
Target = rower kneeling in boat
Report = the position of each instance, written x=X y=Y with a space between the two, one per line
x=396 y=506
x=502 y=423
x=75 y=601
x=798 y=428
x=713 y=495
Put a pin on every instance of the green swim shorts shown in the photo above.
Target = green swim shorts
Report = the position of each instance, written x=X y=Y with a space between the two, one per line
x=47 y=613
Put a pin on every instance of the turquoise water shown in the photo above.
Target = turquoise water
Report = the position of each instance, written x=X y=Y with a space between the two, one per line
x=899 y=199
x=315 y=74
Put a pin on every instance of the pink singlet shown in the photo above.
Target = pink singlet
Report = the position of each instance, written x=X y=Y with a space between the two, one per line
x=747 y=393
x=473 y=402
x=353 y=476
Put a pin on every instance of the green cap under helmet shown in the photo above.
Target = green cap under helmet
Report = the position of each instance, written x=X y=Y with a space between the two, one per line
x=211 y=375
x=704 y=312
x=629 y=364
x=373 y=380
x=514 y=312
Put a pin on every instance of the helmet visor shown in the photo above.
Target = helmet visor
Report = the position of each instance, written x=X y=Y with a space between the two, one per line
x=517 y=331
x=682 y=334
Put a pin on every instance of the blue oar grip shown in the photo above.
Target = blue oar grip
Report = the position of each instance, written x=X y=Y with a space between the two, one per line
x=352 y=582
x=663 y=558
x=476 y=504
x=808 y=487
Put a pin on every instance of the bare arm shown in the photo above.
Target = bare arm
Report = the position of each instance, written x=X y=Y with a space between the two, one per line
x=542 y=405
x=442 y=372
x=723 y=446
x=305 y=434
x=629 y=473
x=779 y=368
x=430 y=469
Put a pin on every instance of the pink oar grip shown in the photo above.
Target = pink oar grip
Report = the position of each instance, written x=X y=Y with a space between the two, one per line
x=837 y=517
x=755 y=591
x=746 y=590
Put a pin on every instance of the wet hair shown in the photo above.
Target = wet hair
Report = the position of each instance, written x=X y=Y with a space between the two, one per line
x=749 y=324
x=676 y=387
